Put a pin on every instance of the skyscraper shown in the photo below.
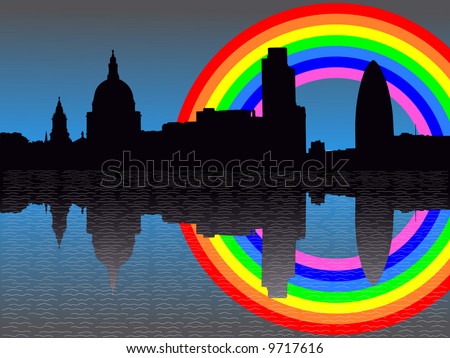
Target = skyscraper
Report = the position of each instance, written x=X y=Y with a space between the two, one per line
x=278 y=85
x=374 y=127
x=285 y=122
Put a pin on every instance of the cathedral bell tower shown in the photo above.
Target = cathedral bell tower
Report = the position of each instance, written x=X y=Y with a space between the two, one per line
x=59 y=133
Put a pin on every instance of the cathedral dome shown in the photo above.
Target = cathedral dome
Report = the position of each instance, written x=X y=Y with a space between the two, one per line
x=113 y=120
x=113 y=95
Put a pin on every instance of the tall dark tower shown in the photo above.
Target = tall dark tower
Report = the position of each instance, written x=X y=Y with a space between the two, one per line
x=59 y=133
x=374 y=127
x=113 y=120
x=278 y=85
x=285 y=121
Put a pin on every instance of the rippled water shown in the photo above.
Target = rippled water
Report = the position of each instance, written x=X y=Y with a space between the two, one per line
x=51 y=290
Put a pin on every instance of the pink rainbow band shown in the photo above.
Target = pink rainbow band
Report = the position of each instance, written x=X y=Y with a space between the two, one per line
x=356 y=75
x=350 y=263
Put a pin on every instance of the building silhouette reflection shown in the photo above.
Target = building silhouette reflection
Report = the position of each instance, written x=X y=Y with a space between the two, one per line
x=374 y=222
x=59 y=211
x=114 y=215
x=113 y=226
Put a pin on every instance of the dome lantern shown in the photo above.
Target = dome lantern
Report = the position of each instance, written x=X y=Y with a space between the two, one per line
x=113 y=73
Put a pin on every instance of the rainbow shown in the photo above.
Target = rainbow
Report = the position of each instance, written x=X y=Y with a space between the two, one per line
x=333 y=41
x=332 y=296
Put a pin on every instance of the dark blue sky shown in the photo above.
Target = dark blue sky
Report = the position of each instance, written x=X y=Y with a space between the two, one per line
x=50 y=48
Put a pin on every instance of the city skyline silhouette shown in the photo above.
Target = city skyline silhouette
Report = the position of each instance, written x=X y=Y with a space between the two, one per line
x=29 y=93
x=303 y=198
x=114 y=126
